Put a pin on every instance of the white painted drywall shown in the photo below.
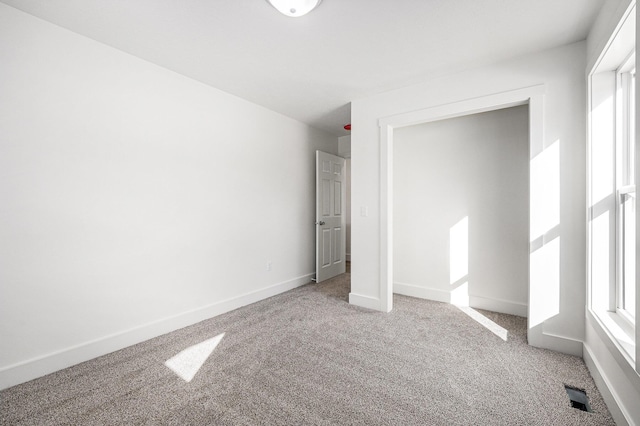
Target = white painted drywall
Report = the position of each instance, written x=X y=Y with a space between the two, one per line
x=348 y=208
x=135 y=200
x=561 y=71
x=344 y=150
x=476 y=168
x=344 y=146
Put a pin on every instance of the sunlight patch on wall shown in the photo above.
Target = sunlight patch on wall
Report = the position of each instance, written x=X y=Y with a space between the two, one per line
x=602 y=150
x=545 y=191
x=601 y=254
x=460 y=295
x=459 y=250
x=544 y=302
x=188 y=362
x=544 y=257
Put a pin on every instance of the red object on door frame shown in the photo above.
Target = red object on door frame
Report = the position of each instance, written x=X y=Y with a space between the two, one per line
x=347 y=126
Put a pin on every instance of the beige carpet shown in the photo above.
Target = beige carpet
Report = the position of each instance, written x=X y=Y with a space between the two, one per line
x=307 y=357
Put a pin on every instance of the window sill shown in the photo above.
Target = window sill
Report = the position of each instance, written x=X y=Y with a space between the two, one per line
x=620 y=332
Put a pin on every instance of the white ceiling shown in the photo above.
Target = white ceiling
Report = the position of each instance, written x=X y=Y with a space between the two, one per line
x=310 y=68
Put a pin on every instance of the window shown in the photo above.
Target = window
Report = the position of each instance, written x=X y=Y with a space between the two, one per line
x=625 y=191
x=612 y=170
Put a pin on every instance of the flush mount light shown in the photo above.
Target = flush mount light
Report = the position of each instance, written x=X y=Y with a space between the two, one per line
x=294 y=8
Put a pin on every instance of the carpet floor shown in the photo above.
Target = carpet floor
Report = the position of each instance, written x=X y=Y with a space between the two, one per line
x=307 y=357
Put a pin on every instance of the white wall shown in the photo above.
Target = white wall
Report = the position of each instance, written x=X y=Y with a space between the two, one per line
x=348 y=208
x=561 y=72
x=344 y=146
x=617 y=380
x=134 y=200
x=344 y=150
x=461 y=209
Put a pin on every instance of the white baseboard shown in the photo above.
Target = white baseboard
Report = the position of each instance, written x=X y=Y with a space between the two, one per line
x=422 y=292
x=439 y=295
x=554 y=342
x=364 y=301
x=607 y=391
x=499 y=305
x=37 y=367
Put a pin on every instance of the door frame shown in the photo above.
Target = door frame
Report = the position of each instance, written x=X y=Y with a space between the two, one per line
x=533 y=96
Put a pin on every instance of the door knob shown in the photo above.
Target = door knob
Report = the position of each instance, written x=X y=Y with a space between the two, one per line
x=320 y=223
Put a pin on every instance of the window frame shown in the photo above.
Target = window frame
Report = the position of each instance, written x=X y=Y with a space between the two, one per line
x=625 y=178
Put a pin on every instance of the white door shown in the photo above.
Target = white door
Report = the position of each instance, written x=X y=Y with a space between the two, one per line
x=330 y=216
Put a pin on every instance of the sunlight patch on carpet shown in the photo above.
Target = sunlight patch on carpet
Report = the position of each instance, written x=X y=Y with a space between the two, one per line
x=187 y=363
x=485 y=322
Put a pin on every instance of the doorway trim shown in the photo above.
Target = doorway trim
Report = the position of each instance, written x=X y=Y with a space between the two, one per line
x=533 y=96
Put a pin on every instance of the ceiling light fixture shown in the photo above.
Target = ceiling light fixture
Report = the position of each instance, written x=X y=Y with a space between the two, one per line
x=294 y=8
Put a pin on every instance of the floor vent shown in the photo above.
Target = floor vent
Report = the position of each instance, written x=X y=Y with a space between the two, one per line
x=578 y=398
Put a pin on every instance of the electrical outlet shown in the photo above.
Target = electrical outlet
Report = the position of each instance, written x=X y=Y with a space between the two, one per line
x=268 y=266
